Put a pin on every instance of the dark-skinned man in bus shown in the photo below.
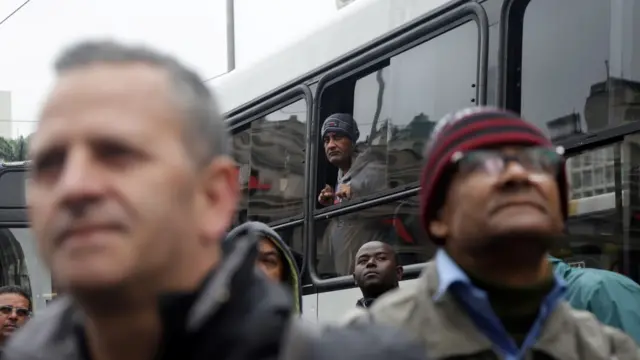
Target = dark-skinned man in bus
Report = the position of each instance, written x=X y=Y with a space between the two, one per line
x=377 y=271
x=494 y=198
x=130 y=192
x=360 y=173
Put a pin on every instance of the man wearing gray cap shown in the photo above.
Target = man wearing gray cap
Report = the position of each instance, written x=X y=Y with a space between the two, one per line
x=359 y=174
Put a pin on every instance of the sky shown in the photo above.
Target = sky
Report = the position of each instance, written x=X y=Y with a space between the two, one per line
x=193 y=30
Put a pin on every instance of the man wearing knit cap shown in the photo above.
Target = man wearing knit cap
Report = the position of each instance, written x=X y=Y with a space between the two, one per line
x=494 y=198
x=339 y=134
x=359 y=174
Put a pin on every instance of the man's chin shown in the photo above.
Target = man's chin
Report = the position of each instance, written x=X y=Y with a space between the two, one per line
x=90 y=279
x=520 y=241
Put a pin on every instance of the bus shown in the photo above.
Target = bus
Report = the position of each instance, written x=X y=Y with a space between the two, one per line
x=572 y=67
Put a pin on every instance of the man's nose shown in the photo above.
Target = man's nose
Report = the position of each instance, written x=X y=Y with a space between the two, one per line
x=81 y=178
x=372 y=263
x=514 y=171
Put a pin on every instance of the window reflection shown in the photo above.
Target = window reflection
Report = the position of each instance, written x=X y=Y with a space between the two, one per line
x=582 y=68
x=293 y=237
x=395 y=106
x=604 y=226
x=270 y=158
x=396 y=223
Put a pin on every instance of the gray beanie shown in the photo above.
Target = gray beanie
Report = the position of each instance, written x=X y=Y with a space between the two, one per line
x=343 y=124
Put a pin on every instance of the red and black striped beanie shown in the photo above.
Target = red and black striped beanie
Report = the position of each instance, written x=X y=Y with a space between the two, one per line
x=471 y=129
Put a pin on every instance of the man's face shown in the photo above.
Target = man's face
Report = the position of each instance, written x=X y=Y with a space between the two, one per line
x=376 y=266
x=14 y=312
x=269 y=260
x=338 y=148
x=502 y=196
x=114 y=195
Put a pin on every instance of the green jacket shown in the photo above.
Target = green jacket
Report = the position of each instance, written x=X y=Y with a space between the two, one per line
x=613 y=298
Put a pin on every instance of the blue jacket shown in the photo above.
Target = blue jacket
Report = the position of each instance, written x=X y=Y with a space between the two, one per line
x=613 y=298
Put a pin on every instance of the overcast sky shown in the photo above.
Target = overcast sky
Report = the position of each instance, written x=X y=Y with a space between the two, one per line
x=194 y=30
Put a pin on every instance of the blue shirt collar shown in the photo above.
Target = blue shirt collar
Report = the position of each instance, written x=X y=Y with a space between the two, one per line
x=449 y=274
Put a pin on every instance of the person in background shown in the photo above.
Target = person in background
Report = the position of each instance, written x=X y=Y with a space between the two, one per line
x=377 y=271
x=359 y=174
x=275 y=259
x=494 y=198
x=130 y=192
x=15 y=311
x=613 y=298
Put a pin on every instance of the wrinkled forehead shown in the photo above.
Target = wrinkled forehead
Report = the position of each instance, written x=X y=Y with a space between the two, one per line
x=267 y=246
x=85 y=97
x=373 y=249
x=13 y=299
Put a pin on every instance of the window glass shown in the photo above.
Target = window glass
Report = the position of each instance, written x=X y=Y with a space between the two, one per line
x=241 y=152
x=293 y=237
x=581 y=63
x=395 y=107
x=604 y=232
x=270 y=158
x=396 y=223
x=15 y=180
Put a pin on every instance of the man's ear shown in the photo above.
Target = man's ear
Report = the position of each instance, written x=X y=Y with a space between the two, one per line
x=220 y=196
x=399 y=272
x=354 y=278
x=438 y=228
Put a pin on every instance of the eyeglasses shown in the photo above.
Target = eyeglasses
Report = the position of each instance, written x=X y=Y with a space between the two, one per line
x=8 y=310
x=537 y=160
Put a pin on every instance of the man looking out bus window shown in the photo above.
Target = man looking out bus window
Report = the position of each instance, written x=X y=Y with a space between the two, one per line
x=494 y=199
x=130 y=193
x=359 y=174
x=377 y=271
x=339 y=135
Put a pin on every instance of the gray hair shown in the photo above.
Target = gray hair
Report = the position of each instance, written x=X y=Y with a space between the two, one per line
x=205 y=124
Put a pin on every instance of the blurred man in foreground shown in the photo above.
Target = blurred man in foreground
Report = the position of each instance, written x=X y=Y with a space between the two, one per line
x=130 y=193
x=494 y=199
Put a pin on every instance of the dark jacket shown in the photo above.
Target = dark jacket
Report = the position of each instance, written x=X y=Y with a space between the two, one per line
x=613 y=298
x=364 y=302
x=236 y=314
x=291 y=264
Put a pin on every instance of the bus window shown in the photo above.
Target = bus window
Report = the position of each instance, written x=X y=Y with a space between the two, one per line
x=396 y=223
x=241 y=152
x=581 y=69
x=15 y=180
x=293 y=237
x=395 y=105
x=270 y=158
x=598 y=236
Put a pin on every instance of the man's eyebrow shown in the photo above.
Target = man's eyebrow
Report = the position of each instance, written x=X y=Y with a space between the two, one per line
x=270 y=253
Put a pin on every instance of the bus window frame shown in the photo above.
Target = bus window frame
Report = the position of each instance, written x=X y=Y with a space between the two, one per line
x=17 y=217
x=243 y=121
x=509 y=81
x=422 y=30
